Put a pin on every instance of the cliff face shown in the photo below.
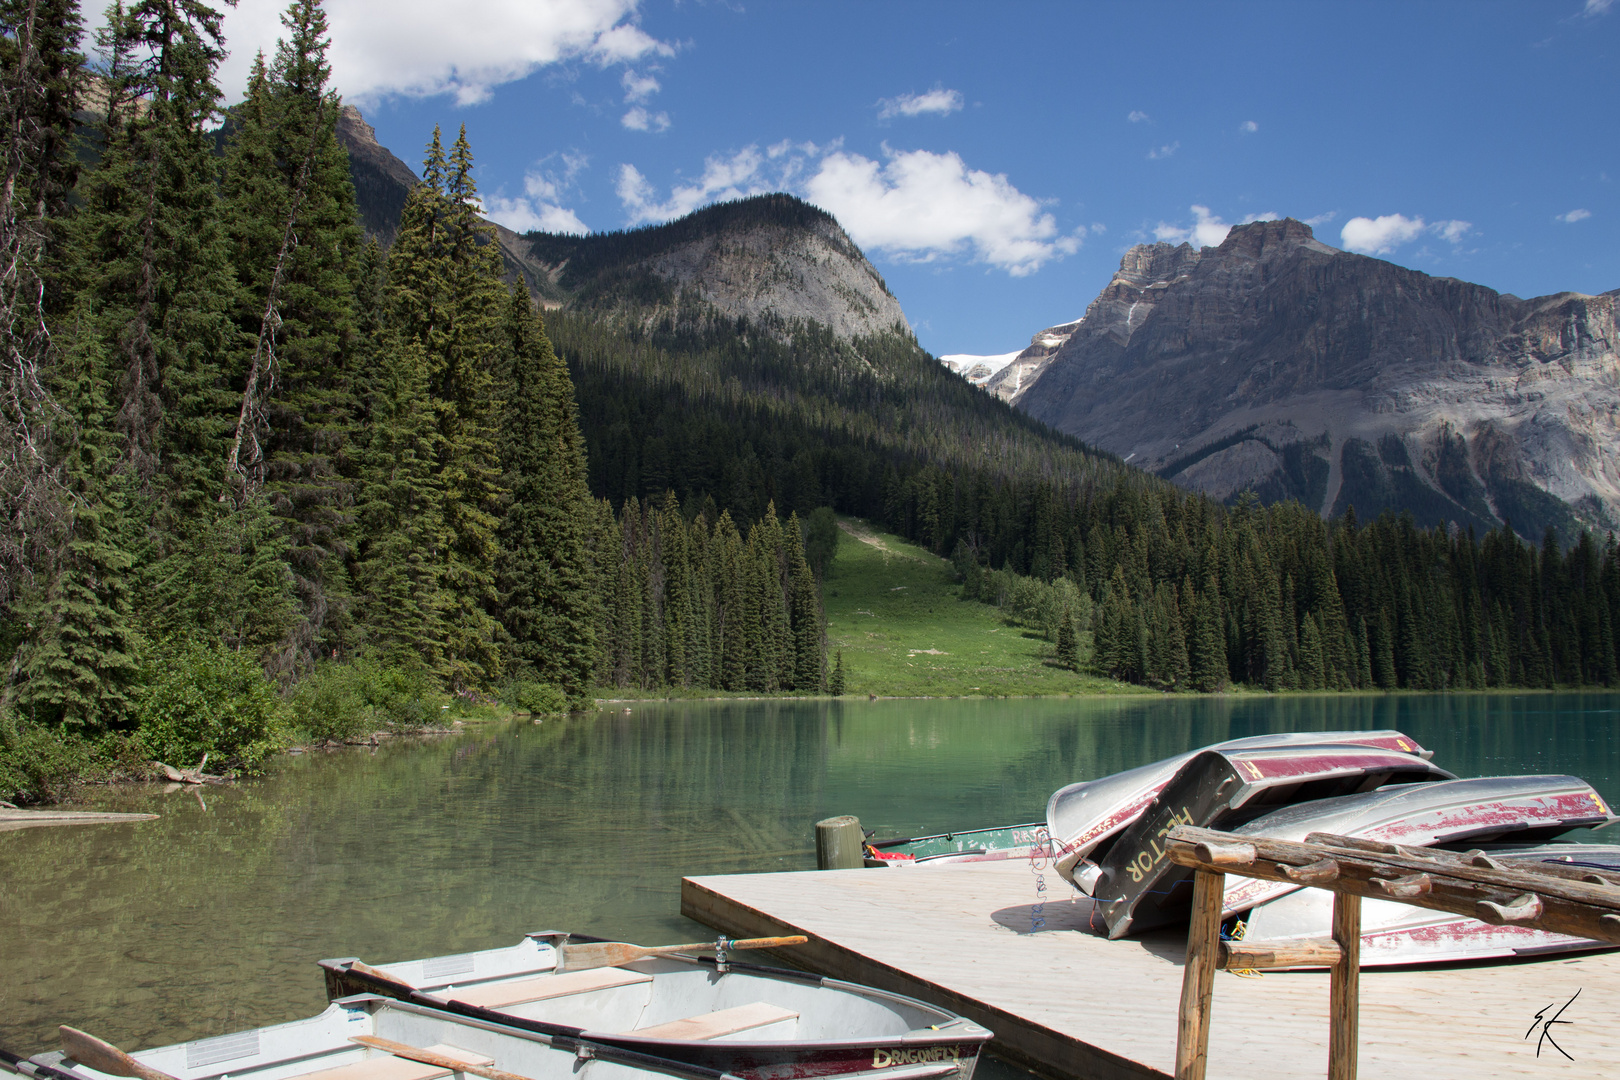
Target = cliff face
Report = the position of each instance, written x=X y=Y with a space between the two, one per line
x=1277 y=364
x=771 y=259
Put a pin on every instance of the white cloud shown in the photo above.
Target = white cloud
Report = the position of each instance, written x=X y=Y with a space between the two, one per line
x=1573 y=216
x=939 y=101
x=1163 y=151
x=1321 y=219
x=1137 y=116
x=1594 y=8
x=638 y=87
x=1250 y=126
x=723 y=179
x=415 y=49
x=914 y=205
x=639 y=119
x=522 y=215
x=1382 y=235
x=1207 y=230
x=538 y=208
x=1452 y=231
x=920 y=206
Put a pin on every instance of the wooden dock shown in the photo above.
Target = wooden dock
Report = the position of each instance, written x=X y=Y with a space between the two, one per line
x=1066 y=1002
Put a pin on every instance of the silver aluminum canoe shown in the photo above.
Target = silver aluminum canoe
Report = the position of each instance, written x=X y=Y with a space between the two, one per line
x=321 y=1047
x=1523 y=809
x=1085 y=817
x=1138 y=888
x=755 y=1022
x=1394 y=934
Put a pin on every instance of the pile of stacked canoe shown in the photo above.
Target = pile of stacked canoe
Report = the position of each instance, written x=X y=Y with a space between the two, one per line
x=1105 y=837
x=556 y=1007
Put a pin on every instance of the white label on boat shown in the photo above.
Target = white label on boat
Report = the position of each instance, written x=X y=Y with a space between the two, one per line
x=440 y=966
x=225 y=1048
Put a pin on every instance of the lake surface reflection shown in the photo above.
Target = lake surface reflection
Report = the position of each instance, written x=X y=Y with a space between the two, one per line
x=210 y=919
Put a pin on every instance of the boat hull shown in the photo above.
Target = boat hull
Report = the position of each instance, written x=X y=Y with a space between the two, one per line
x=1525 y=809
x=1138 y=888
x=836 y=1029
x=996 y=844
x=1395 y=934
x=1084 y=818
x=322 y=1048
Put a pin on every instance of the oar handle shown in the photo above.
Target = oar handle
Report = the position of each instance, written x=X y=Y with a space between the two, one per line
x=104 y=1057
x=428 y=1057
x=730 y=943
x=397 y=985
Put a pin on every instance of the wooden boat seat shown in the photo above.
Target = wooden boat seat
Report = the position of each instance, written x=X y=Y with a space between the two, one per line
x=382 y=1066
x=501 y=995
x=715 y=1024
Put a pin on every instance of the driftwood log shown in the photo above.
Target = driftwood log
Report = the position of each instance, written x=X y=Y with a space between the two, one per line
x=189 y=776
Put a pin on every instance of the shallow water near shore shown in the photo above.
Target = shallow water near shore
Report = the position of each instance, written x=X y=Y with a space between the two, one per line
x=211 y=919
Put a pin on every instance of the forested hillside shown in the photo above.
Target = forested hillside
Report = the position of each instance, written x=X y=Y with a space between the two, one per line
x=259 y=474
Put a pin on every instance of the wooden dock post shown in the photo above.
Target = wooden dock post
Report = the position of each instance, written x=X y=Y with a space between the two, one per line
x=1198 y=975
x=839 y=843
x=1344 y=988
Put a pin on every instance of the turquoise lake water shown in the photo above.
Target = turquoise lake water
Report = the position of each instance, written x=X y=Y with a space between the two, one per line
x=211 y=918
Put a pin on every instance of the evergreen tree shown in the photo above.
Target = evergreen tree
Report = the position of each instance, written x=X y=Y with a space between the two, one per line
x=78 y=662
x=40 y=89
x=1068 y=652
x=835 y=682
x=291 y=214
x=444 y=274
x=547 y=604
x=805 y=618
x=397 y=570
x=151 y=262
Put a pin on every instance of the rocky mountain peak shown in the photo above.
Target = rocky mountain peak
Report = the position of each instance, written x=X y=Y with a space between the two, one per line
x=773 y=259
x=1277 y=364
x=1146 y=264
x=1271 y=239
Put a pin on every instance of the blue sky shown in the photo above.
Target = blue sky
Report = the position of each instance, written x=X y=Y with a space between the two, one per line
x=994 y=160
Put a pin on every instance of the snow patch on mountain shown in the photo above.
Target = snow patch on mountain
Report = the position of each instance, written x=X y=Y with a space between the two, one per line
x=978 y=369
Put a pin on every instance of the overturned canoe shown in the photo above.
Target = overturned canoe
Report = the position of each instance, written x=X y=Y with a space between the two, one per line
x=744 y=1019
x=1523 y=809
x=1138 y=888
x=1395 y=934
x=1083 y=819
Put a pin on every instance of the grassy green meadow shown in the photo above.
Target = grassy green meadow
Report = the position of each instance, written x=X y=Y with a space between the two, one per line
x=895 y=612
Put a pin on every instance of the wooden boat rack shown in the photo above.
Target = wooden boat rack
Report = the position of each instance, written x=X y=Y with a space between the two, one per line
x=1565 y=899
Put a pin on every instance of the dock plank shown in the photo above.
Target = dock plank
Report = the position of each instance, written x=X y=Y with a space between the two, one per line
x=1066 y=1002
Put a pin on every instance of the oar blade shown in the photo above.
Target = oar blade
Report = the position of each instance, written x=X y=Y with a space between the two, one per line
x=101 y=1056
x=596 y=954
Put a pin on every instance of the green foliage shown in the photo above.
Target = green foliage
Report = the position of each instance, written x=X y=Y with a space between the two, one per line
x=340 y=701
x=200 y=698
x=821 y=540
x=544 y=573
x=38 y=762
x=835 y=681
x=536 y=697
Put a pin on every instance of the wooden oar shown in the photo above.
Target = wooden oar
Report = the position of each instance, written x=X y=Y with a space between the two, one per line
x=428 y=1057
x=613 y=953
x=104 y=1056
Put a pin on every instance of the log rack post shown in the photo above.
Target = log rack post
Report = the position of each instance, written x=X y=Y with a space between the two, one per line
x=1198 y=975
x=1344 y=982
